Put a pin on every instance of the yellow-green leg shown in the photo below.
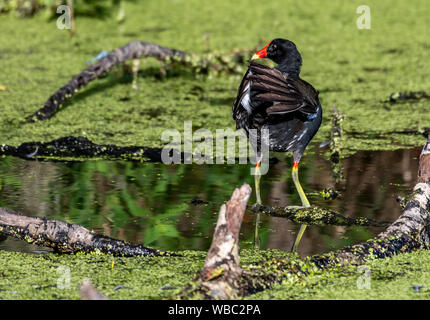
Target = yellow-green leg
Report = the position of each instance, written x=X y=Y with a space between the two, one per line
x=257 y=178
x=135 y=69
x=305 y=202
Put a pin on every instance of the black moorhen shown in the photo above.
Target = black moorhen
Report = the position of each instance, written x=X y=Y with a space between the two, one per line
x=279 y=101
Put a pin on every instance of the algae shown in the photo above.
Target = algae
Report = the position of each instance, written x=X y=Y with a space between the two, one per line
x=38 y=276
x=356 y=70
x=388 y=279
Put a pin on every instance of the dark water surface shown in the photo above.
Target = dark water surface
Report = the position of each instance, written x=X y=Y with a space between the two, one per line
x=150 y=203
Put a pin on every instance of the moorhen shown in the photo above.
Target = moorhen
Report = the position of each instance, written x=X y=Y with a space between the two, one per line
x=276 y=99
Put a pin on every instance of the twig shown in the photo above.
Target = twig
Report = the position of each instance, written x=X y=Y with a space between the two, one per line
x=88 y=292
x=335 y=145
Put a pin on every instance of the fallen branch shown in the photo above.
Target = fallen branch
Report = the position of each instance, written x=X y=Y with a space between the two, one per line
x=133 y=50
x=66 y=238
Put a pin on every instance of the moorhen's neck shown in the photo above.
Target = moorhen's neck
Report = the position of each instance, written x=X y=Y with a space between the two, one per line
x=291 y=65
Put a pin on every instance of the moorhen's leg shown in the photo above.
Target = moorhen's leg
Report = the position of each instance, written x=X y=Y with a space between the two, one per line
x=305 y=203
x=257 y=178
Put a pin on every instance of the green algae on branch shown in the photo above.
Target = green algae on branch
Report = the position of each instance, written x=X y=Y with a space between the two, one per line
x=404 y=96
x=316 y=216
x=327 y=194
x=313 y=215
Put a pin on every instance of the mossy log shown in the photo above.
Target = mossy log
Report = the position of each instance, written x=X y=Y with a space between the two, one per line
x=410 y=232
x=66 y=238
x=81 y=147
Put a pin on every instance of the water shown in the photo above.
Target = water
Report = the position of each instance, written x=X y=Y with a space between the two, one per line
x=150 y=203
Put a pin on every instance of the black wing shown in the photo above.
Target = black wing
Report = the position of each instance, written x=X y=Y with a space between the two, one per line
x=287 y=93
x=279 y=93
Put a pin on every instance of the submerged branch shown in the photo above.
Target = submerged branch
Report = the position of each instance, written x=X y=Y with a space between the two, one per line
x=66 y=238
x=316 y=216
x=312 y=216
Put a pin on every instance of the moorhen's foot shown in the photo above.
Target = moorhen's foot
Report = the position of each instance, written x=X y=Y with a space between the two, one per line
x=257 y=243
x=256 y=207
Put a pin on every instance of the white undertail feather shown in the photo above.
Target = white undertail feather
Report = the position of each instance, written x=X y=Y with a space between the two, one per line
x=426 y=149
x=246 y=101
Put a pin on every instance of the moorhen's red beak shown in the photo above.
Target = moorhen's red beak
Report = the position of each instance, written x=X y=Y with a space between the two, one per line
x=262 y=53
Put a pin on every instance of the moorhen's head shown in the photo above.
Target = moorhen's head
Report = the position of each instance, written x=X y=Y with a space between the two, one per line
x=284 y=53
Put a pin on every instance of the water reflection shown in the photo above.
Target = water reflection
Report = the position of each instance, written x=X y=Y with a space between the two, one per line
x=150 y=203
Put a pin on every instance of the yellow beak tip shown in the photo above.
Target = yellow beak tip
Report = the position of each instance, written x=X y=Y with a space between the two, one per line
x=255 y=56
